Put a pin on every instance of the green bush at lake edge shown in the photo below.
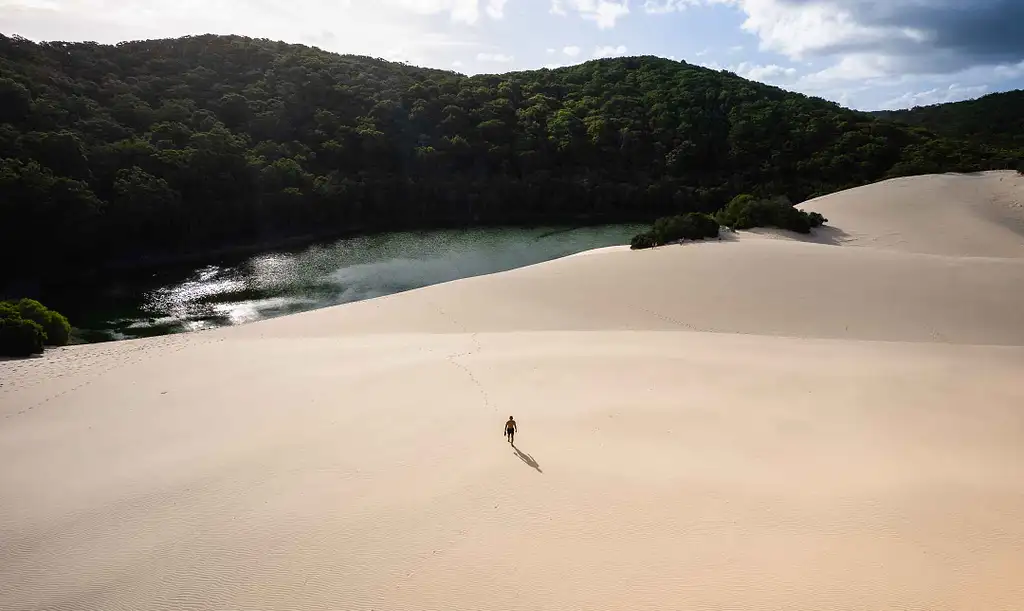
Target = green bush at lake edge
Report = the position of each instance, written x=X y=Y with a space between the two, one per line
x=690 y=226
x=743 y=212
x=26 y=326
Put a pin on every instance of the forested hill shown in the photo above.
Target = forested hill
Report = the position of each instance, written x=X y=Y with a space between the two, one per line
x=157 y=148
x=997 y=118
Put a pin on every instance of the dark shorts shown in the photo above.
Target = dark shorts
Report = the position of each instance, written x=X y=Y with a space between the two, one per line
x=510 y=431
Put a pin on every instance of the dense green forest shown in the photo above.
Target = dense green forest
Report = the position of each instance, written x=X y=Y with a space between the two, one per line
x=996 y=118
x=151 y=150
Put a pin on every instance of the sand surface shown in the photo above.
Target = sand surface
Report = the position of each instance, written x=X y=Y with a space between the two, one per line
x=763 y=423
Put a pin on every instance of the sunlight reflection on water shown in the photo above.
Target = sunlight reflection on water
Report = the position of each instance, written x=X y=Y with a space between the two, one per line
x=279 y=283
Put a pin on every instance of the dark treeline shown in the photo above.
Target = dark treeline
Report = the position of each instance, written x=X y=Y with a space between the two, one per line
x=997 y=119
x=163 y=148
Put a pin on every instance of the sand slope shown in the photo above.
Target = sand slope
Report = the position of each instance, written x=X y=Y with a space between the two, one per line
x=754 y=424
x=978 y=215
x=757 y=286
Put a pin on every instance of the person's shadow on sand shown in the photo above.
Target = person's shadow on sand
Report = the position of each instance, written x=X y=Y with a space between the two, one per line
x=526 y=458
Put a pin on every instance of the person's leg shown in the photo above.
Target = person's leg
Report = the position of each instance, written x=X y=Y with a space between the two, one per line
x=512 y=437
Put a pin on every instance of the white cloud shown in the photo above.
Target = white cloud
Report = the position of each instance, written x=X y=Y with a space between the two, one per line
x=797 y=28
x=467 y=11
x=496 y=8
x=498 y=58
x=609 y=51
x=763 y=73
x=457 y=64
x=701 y=53
x=889 y=36
x=952 y=93
x=550 y=51
x=572 y=51
x=660 y=7
x=604 y=12
x=735 y=49
x=369 y=27
x=1010 y=71
x=854 y=67
x=771 y=73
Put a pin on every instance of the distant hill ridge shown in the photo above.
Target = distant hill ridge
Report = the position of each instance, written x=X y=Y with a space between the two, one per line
x=997 y=119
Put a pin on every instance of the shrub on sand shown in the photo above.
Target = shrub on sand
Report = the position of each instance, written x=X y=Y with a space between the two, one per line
x=20 y=337
x=746 y=212
x=28 y=325
x=691 y=226
x=54 y=324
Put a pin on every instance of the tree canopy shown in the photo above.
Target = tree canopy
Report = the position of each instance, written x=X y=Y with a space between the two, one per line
x=997 y=119
x=154 y=149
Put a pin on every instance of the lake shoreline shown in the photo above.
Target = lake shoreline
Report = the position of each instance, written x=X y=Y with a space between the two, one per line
x=157 y=262
x=249 y=282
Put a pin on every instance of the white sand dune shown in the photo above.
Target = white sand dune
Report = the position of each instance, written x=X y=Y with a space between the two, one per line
x=834 y=423
x=979 y=215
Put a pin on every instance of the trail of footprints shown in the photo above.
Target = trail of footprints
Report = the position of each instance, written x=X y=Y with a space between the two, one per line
x=476 y=347
x=453 y=359
x=68 y=369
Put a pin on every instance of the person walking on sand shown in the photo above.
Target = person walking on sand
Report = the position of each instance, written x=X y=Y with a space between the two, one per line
x=510 y=430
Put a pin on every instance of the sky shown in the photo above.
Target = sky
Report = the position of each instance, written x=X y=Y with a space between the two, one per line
x=864 y=54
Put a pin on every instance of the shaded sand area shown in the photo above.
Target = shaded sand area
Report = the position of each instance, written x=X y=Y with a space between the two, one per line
x=758 y=424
